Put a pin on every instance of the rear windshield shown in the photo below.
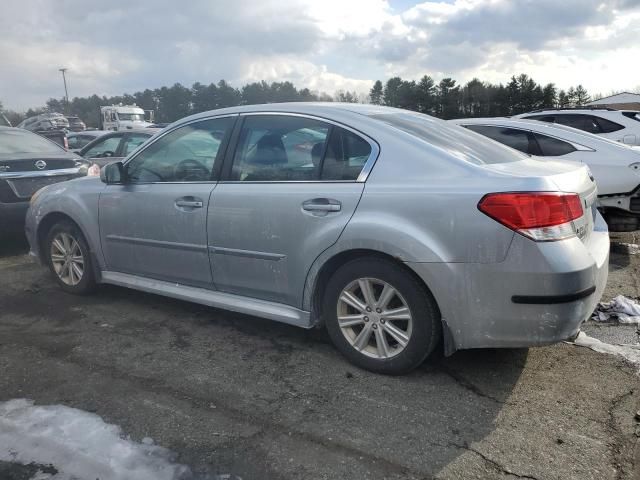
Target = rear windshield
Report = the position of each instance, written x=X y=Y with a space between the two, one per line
x=21 y=141
x=457 y=140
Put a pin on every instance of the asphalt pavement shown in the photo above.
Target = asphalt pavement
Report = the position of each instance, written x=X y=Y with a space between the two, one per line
x=244 y=397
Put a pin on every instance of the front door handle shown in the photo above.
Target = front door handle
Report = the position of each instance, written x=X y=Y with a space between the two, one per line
x=189 y=202
x=322 y=205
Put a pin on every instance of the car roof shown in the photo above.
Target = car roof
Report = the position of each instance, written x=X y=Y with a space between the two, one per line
x=575 y=111
x=310 y=108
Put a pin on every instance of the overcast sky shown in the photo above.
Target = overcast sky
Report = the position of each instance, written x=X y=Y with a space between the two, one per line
x=116 y=46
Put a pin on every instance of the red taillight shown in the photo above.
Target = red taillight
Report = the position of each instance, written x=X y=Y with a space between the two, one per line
x=531 y=213
x=66 y=143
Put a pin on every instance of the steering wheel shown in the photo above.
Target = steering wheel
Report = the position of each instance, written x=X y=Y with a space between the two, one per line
x=106 y=154
x=191 y=170
x=153 y=172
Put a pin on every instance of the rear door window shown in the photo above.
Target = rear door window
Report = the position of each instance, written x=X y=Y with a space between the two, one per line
x=585 y=123
x=345 y=156
x=511 y=137
x=281 y=148
x=552 y=147
x=275 y=148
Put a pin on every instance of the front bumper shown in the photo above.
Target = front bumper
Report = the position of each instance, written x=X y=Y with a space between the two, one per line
x=477 y=300
x=12 y=216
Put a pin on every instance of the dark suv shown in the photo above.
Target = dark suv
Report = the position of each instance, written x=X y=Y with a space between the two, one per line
x=76 y=124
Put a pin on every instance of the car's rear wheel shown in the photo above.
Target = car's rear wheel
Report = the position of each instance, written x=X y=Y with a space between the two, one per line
x=68 y=257
x=380 y=316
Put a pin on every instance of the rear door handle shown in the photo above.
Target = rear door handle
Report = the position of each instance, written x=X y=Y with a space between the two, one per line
x=322 y=205
x=189 y=202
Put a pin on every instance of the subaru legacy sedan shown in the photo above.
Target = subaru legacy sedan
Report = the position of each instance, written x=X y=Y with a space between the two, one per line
x=394 y=230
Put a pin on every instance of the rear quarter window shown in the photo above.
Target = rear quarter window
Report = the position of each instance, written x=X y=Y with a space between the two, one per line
x=607 y=126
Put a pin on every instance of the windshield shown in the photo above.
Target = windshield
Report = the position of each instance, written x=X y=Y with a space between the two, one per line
x=132 y=117
x=458 y=141
x=20 y=141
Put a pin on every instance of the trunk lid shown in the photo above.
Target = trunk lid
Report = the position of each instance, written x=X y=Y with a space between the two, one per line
x=561 y=176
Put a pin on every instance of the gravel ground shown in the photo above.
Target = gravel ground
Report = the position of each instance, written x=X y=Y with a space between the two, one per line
x=231 y=394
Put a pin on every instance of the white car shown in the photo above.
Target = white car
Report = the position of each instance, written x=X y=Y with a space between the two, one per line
x=619 y=125
x=615 y=166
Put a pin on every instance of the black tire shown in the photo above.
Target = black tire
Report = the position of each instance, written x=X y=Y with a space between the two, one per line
x=426 y=327
x=87 y=282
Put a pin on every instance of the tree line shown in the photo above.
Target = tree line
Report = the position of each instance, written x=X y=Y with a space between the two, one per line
x=445 y=99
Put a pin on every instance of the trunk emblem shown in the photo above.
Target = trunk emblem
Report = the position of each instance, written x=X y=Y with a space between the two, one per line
x=41 y=164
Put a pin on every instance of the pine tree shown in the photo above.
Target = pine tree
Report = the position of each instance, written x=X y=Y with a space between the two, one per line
x=376 y=93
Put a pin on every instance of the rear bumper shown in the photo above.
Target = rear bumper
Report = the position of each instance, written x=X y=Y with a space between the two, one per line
x=539 y=295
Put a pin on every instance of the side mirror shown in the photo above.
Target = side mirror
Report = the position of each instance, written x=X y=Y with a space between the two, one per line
x=113 y=173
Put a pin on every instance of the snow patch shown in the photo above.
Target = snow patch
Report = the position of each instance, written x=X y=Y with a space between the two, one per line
x=620 y=308
x=80 y=445
x=631 y=353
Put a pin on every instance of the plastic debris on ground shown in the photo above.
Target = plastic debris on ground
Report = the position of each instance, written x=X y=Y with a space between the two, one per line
x=631 y=353
x=621 y=308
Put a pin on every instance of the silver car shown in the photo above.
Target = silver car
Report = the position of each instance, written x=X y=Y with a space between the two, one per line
x=394 y=230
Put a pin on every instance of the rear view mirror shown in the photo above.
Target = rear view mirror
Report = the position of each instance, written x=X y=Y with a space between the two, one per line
x=113 y=173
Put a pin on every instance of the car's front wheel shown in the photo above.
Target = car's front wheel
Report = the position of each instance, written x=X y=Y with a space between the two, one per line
x=68 y=257
x=380 y=316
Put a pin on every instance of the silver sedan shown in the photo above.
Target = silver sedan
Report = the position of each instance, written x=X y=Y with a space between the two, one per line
x=394 y=230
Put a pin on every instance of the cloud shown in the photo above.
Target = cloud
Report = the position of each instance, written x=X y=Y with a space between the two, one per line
x=122 y=46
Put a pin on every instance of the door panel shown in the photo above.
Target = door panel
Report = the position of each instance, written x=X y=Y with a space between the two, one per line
x=151 y=230
x=155 y=224
x=263 y=240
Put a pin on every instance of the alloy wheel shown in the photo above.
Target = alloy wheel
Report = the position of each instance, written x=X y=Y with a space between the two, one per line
x=67 y=258
x=374 y=318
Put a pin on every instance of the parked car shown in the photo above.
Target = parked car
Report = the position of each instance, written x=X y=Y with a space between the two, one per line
x=619 y=125
x=57 y=136
x=615 y=166
x=76 y=124
x=395 y=231
x=45 y=121
x=78 y=140
x=27 y=163
x=113 y=146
